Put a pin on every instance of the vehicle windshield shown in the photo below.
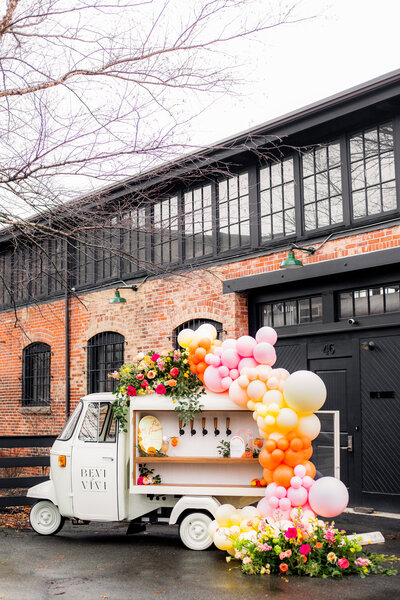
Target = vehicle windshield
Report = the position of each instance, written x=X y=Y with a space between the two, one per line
x=71 y=424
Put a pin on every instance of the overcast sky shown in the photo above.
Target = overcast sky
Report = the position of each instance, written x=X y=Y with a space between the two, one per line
x=347 y=43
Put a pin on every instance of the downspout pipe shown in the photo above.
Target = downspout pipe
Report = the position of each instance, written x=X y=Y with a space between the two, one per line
x=66 y=336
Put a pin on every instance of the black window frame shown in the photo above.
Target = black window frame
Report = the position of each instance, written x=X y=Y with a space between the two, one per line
x=36 y=375
x=241 y=210
x=98 y=348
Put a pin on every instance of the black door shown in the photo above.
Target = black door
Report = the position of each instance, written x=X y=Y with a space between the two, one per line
x=336 y=373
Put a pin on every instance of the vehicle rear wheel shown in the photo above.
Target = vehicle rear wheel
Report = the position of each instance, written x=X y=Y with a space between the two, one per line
x=45 y=518
x=193 y=531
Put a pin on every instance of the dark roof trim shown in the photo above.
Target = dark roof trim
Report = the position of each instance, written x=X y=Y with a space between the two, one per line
x=309 y=272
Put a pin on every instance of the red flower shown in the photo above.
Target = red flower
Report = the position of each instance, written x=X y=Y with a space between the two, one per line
x=174 y=372
x=144 y=384
x=343 y=563
x=140 y=376
x=131 y=391
x=160 y=389
x=283 y=567
x=291 y=533
x=305 y=549
x=155 y=356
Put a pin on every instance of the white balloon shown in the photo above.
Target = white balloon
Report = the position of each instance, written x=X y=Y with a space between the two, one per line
x=287 y=419
x=223 y=514
x=304 y=391
x=309 y=426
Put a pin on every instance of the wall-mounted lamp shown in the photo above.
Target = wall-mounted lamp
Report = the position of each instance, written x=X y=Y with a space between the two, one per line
x=291 y=262
x=117 y=299
x=368 y=345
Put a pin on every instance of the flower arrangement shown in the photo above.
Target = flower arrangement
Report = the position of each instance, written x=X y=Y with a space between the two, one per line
x=154 y=373
x=316 y=550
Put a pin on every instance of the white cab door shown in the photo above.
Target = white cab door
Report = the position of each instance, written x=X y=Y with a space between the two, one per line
x=94 y=465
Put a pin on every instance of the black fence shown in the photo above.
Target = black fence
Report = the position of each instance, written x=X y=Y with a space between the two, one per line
x=22 y=462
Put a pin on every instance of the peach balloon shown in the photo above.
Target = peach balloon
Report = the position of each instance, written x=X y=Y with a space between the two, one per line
x=282 y=475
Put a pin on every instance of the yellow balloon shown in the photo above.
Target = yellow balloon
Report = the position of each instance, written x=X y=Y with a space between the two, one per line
x=185 y=337
x=235 y=518
x=221 y=539
x=223 y=514
x=261 y=409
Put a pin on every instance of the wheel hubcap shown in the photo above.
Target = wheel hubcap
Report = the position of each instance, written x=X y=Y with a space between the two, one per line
x=197 y=531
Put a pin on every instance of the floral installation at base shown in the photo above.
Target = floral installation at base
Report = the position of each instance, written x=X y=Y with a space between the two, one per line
x=154 y=373
x=303 y=546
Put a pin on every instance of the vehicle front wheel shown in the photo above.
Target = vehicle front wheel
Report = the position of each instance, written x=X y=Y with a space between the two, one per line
x=193 y=531
x=45 y=518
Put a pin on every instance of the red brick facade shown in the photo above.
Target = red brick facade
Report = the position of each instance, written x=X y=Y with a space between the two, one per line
x=147 y=321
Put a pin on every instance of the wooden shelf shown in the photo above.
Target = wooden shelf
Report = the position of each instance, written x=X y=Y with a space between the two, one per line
x=194 y=459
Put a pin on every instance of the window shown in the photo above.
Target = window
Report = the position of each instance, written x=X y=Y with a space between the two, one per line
x=36 y=375
x=69 y=427
x=369 y=301
x=297 y=311
x=234 y=218
x=105 y=354
x=372 y=172
x=98 y=424
x=194 y=324
x=166 y=231
x=198 y=222
x=133 y=224
x=277 y=200
x=322 y=187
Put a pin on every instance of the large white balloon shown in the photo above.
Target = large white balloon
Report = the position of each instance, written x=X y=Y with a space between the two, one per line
x=304 y=391
x=223 y=514
x=328 y=497
x=309 y=425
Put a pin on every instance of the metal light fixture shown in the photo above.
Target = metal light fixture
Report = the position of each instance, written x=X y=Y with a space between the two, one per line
x=117 y=299
x=291 y=262
x=369 y=346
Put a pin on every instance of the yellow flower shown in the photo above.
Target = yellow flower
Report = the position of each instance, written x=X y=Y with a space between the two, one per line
x=186 y=374
x=228 y=559
x=352 y=549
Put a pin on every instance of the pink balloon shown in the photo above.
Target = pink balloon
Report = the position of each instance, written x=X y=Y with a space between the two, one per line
x=226 y=382
x=245 y=363
x=295 y=482
x=218 y=351
x=237 y=394
x=256 y=390
x=285 y=504
x=233 y=374
x=300 y=471
x=229 y=343
x=209 y=358
x=212 y=380
x=270 y=489
x=245 y=345
x=308 y=482
x=266 y=334
x=264 y=507
x=280 y=491
x=230 y=358
x=223 y=371
x=274 y=502
x=328 y=497
x=265 y=354
x=298 y=497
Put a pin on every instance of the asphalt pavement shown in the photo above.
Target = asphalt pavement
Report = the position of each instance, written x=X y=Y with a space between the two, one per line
x=100 y=562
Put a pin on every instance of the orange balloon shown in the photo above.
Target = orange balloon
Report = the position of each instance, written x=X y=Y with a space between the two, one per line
x=270 y=445
x=278 y=455
x=307 y=453
x=195 y=359
x=192 y=347
x=306 y=442
x=193 y=368
x=291 y=435
x=282 y=475
x=268 y=475
x=264 y=458
x=205 y=343
x=296 y=444
x=200 y=353
x=293 y=458
x=201 y=367
x=283 y=444
x=310 y=469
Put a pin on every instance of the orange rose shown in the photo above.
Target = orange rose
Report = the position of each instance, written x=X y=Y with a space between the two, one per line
x=318 y=545
x=171 y=382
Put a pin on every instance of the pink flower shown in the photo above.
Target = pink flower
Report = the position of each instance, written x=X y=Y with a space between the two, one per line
x=305 y=549
x=174 y=372
x=139 y=481
x=282 y=556
x=288 y=553
x=160 y=389
x=155 y=356
x=291 y=533
x=343 y=563
x=329 y=535
x=144 y=384
x=362 y=562
x=177 y=355
x=140 y=376
x=131 y=391
x=246 y=560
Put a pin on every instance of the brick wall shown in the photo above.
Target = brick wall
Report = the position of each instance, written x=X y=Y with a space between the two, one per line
x=147 y=321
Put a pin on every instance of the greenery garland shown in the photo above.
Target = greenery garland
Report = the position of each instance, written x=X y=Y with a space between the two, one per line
x=154 y=373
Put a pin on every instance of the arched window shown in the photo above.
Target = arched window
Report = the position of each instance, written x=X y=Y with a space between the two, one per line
x=36 y=375
x=194 y=324
x=105 y=354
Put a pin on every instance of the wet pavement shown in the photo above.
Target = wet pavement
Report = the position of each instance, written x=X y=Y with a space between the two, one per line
x=99 y=562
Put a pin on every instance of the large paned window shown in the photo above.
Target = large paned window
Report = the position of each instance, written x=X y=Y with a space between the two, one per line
x=234 y=218
x=108 y=244
x=277 y=200
x=297 y=311
x=194 y=324
x=322 y=187
x=36 y=375
x=133 y=224
x=198 y=222
x=369 y=301
x=372 y=172
x=166 y=231
x=105 y=354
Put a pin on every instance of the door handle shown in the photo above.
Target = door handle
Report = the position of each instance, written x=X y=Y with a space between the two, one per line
x=349 y=446
x=107 y=458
